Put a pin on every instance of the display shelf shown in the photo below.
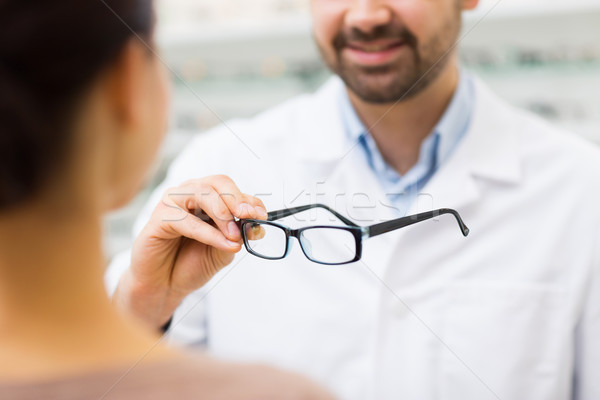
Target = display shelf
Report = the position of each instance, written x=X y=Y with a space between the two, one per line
x=299 y=24
x=510 y=9
x=229 y=49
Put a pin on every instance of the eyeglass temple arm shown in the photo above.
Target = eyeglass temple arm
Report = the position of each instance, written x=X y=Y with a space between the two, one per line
x=286 y=212
x=388 y=226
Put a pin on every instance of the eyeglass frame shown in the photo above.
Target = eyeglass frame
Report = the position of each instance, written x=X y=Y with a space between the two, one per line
x=359 y=233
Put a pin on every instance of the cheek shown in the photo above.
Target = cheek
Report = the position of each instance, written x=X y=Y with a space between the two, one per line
x=416 y=16
x=161 y=93
x=327 y=19
x=425 y=18
x=164 y=96
x=156 y=121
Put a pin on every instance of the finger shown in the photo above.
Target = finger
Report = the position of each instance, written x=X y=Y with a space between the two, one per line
x=241 y=205
x=215 y=206
x=254 y=231
x=260 y=211
x=194 y=228
x=198 y=196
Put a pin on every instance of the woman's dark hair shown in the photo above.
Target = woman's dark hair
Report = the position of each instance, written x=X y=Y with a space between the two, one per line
x=50 y=53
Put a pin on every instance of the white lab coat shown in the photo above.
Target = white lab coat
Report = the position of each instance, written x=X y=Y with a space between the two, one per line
x=511 y=312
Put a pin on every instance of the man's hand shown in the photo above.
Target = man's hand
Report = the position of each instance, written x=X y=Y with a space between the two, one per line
x=190 y=237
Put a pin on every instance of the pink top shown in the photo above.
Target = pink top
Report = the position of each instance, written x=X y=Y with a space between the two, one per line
x=180 y=379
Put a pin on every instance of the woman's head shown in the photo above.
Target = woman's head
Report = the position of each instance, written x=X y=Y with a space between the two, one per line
x=82 y=98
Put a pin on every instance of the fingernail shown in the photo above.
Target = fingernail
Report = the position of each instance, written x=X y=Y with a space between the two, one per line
x=232 y=229
x=231 y=244
x=243 y=208
x=262 y=213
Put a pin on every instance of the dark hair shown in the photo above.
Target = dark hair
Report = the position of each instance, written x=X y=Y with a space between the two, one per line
x=50 y=53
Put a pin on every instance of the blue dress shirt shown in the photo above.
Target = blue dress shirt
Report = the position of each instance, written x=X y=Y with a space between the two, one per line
x=402 y=190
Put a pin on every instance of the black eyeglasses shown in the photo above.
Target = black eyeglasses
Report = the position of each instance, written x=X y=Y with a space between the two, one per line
x=323 y=244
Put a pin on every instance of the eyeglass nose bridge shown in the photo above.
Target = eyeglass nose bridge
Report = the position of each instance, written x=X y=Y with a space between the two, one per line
x=305 y=245
x=290 y=234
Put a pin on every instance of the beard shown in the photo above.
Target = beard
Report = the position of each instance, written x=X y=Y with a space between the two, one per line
x=418 y=65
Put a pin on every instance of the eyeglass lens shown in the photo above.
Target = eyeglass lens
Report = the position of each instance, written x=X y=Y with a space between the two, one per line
x=266 y=240
x=328 y=245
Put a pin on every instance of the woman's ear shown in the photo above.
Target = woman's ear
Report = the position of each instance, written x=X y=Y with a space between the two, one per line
x=469 y=4
x=136 y=95
x=127 y=78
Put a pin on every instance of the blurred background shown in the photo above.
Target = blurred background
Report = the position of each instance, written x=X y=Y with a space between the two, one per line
x=234 y=58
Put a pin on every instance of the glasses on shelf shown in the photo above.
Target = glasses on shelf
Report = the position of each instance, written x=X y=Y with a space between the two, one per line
x=323 y=244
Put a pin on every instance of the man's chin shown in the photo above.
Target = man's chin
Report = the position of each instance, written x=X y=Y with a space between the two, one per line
x=377 y=88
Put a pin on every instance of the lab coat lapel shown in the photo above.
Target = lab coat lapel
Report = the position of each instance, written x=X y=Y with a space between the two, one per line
x=330 y=159
x=346 y=181
x=318 y=129
x=487 y=155
x=488 y=151
x=324 y=146
x=363 y=200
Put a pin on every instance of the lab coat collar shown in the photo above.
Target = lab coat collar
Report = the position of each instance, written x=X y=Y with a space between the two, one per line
x=491 y=143
x=319 y=134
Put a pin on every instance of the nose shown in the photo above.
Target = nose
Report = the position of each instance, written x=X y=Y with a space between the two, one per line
x=366 y=15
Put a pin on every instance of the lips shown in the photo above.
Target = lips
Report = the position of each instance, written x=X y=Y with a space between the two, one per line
x=374 y=47
x=376 y=53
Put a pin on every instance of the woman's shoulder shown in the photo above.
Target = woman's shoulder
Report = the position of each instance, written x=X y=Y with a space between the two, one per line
x=180 y=378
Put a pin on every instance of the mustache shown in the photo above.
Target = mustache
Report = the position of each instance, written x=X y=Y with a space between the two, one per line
x=393 y=32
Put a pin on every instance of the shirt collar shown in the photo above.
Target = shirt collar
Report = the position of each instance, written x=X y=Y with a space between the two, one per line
x=449 y=129
x=455 y=121
x=352 y=124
